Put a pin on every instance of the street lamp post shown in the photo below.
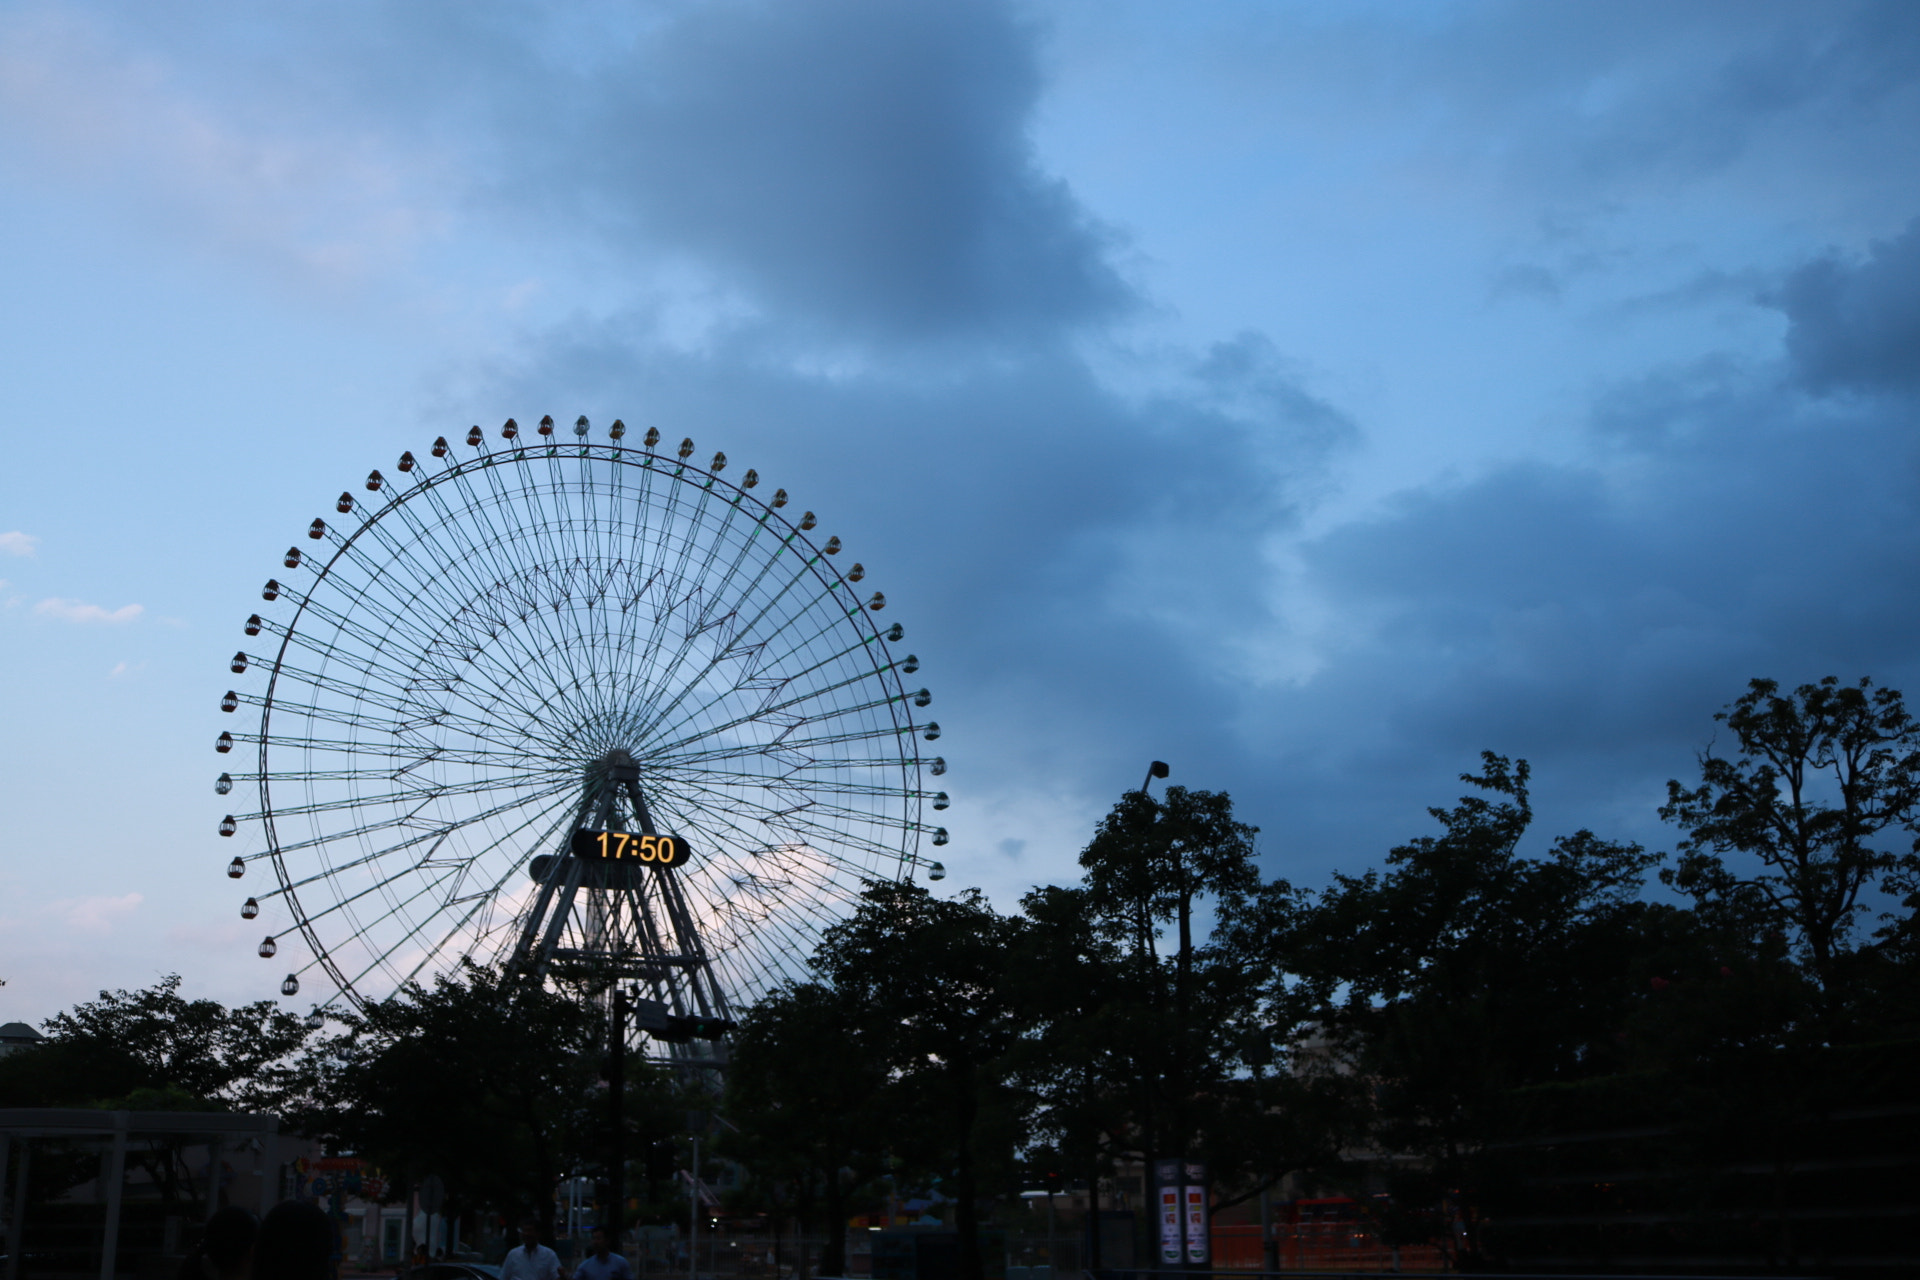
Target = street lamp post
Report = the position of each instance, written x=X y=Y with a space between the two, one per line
x=1155 y=769
x=616 y=1107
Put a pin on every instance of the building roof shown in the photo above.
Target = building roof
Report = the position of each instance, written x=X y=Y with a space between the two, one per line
x=19 y=1033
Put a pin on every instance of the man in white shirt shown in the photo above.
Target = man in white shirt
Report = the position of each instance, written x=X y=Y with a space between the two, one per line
x=531 y=1260
x=602 y=1263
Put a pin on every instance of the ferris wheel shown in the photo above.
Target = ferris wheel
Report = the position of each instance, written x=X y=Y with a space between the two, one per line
x=589 y=711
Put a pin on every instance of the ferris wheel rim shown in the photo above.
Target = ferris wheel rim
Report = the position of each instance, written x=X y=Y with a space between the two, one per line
x=815 y=564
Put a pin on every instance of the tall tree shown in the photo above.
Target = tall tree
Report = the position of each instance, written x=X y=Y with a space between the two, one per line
x=487 y=1082
x=1132 y=1048
x=1067 y=979
x=1820 y=779
x=926 y=979
x=804 y=1087
x=171 y=1050
x=1150 y=862
x=1468 y=969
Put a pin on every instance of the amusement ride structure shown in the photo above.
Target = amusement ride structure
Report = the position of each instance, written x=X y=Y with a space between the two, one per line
x=585 y=709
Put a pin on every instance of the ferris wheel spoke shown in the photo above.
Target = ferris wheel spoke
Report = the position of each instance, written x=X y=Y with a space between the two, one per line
x=435 y=834
x=400 y=592
x=482 y=901
x=427 y=791
x=866 y=627
x=393 y=678
x=691 y=522
x=400 y=820
x=498 y=573
x=813 y=695
x=495 y=549
x=723 y=626
x=345 y=904
x=414 y=755
x=804 y=907
x=594 y=518
x=782 y=747
x=460 y=520
x=801 y=799
x=394 y=716
x=748 y=839
x=344 y=623
x=819 y=786
x=837 y=838
x=750 y=679
x=396 y=908
x=742 y=631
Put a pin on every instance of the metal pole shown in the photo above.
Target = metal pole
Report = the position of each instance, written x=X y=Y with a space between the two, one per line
x=1053 y=1266
x=1091 y=1260
x=616 y=1103
x=406 y=1224
x=1269 y=1245
x=116 y=1175
x=268 y=1157
x=693 y=1212
x=16 y=1225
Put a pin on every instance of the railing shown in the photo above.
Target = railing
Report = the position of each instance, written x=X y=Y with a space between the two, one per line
x=1350 y=1274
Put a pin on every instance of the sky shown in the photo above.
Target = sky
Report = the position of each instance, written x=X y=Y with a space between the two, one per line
x=1310 y=395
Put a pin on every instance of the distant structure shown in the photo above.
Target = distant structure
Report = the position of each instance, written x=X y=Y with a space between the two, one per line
x=17 y=1035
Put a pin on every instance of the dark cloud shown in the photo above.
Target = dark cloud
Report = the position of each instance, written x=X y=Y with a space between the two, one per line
x=857 y=167
x=1096 y=572
x=1071 y=562
x=1857 y=325
x=1642 y=95
x=1593 y=616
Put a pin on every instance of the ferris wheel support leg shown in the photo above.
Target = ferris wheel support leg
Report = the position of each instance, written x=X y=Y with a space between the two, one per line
x=707 y=994
x=562 y=908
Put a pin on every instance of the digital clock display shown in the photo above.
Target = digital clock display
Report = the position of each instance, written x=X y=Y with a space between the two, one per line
x=631 y=846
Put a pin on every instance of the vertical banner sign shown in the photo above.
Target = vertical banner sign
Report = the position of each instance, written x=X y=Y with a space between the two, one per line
x=1166 y=1174
x=1198 y=1250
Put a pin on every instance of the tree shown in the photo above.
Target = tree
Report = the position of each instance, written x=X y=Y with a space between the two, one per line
x=1150 y=861
x=173 y=1052
x=803 y=1088
x=485 y=1081
x=924 y=981
x=1819 y=777
x=1067 y=980
x=1467 y=970
x=1130 y=1050
x=155 y=1050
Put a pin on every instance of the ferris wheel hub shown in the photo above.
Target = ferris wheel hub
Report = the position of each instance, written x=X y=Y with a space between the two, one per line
x=619 y=766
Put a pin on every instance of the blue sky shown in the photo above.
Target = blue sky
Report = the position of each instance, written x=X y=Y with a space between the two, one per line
x=1310 y=395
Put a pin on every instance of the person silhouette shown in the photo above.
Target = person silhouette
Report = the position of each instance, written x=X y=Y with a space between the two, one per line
x=296 y=1242
x=225 y=1251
